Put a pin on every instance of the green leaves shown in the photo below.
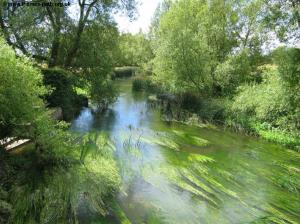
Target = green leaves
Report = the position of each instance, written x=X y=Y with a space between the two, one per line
x=192 y=38
x=134 y=50
x=20 y=91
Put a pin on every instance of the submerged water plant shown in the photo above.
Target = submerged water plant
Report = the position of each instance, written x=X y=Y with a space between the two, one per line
x=68 y=194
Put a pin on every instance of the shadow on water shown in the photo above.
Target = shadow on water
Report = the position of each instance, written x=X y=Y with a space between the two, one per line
x=174 y=173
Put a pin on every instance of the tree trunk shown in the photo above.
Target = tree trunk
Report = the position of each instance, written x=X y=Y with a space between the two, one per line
x=54 y=50
x=82 y=21
x=75 y=46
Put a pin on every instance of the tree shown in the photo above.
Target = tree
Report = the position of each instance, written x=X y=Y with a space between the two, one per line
x=135 y=50
x=54 y=35
x=50 y=33
x=193 y=37
x=283 y=17
x=57 y=166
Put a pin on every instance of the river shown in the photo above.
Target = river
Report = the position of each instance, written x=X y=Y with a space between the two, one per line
x=175 y=173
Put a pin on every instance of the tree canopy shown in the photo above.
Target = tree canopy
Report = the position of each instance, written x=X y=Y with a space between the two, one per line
x=56 y=34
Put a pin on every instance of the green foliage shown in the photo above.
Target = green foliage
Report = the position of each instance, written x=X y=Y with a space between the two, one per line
x=191 y=40
x=20 y=91
x=272 y=113
x=5 y=207
x=144 y=83
x=98 y=46
x=58 y=173
x=289 y=139
x=269 y=97
x=63 y=93
x=190 y=101
x=209 y=53
x=55 y=35
x=102 y=89
x=59 y=194
x=289 y=70
x=283 y=17
x=271 y=103
x=214 y=110
x=134 y=50
x=237 y=70
x=6 y=172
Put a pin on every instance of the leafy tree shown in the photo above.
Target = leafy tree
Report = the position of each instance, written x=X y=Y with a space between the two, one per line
x=84 y=44
x=53 y=33
x=57 y=168
x=135 y=50
x=193 y=38
x=218 y=51
x=283 y=17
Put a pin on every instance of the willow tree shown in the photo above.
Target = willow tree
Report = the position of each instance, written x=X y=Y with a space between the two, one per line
x=55 y=34
x=192 y=38
x=81 y=37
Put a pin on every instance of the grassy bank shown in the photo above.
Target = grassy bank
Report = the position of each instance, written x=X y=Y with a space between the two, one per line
x=193 y=109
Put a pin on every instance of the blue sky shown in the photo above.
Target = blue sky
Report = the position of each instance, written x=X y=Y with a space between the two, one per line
x=146 y=10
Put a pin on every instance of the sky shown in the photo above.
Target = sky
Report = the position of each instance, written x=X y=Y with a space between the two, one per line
x=145 y=10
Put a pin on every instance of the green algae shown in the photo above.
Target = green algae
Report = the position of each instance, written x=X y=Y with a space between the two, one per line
x=175 y=173
x=204 y=178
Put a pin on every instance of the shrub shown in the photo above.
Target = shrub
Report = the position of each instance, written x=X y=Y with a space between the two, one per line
x=267 y=109
x=214 y=110
x=20 y=91
x=63 y=94
x=265 y=101
x=288 y=61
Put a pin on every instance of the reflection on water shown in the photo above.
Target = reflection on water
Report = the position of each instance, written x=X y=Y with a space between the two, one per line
x=174 y=173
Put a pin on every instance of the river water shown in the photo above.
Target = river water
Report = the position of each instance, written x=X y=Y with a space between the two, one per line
x=175 y=173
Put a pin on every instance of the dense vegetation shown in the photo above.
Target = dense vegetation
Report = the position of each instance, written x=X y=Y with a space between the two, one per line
x=51 y=58
x=212 y=59
x=134 y=50
x=86 y=44
x=216 y=57
x=60 y=166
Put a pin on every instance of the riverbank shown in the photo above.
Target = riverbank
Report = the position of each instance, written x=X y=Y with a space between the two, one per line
x=194 y=110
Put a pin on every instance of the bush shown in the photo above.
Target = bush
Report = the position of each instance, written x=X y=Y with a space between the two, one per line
x=48 y=180
x=288 y=61
x=103 y=93
x=266 y=101
x=267 y=109
x=63 y=94
x=20 y=91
